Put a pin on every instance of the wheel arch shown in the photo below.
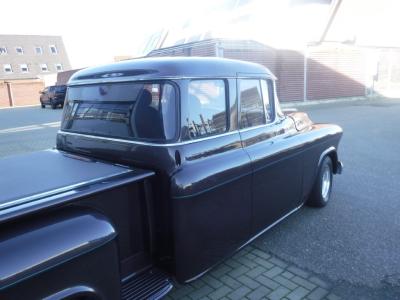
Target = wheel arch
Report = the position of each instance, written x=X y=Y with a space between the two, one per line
x=331 y=152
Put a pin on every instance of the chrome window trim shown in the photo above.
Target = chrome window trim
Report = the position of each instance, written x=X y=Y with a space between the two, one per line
x=177 y=101
x=277 y=118
x=269 y=101
x=261 y=126
x=179 y=143
x=275 y=103
x=227 y=103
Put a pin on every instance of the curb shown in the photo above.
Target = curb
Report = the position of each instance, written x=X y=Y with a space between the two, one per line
x=325 y=101
x=19 y=106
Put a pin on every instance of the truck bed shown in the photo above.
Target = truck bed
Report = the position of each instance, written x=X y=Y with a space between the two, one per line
x=61 y=214
x=50 y=174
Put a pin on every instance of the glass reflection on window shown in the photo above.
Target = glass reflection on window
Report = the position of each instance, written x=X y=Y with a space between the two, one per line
x=206 y=108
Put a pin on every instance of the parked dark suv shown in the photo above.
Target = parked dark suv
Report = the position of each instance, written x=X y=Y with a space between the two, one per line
x=53 y=95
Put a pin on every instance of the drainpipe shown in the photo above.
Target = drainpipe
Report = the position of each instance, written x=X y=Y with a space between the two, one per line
x=10 y=94
x=217 y=49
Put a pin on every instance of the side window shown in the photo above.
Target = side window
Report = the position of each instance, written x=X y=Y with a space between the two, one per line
x=206 y=108
x=268 y=97
x=251 y=103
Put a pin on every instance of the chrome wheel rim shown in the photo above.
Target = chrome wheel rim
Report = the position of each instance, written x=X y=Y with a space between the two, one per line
x=326 y=183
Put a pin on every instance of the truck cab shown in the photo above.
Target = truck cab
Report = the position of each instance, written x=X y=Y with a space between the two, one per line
x=53 y=95
x=179 y=118
x=162 y=168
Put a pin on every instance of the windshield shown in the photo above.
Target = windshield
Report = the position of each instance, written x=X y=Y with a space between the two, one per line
x=145 y=111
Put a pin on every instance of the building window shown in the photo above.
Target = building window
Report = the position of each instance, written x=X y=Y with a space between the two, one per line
x=206 y=108
x=251 y=104
x=39 y=50
x=59 y=67
x=24 y=68
x=43 y=68
x=3 y=50
x=19 y=50
x=7 y=68
x=53 y=49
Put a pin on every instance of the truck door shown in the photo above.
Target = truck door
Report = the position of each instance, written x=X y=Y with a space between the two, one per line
x=211 y=191
x=276 y=181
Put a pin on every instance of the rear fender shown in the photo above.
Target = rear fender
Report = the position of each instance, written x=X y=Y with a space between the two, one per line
x=59 y=251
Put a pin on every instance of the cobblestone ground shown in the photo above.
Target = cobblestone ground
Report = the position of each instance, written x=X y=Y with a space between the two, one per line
x=255 y=274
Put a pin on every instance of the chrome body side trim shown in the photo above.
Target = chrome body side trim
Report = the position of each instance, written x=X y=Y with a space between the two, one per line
x=251 y=240
x=272 y=225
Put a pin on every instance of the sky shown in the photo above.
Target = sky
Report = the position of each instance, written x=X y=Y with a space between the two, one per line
x=94 y=31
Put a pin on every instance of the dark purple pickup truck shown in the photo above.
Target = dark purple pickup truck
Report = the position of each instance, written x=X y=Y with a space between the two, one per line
x=163 y=167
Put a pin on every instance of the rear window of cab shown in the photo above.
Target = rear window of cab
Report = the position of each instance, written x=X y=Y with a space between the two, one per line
x=133 y=110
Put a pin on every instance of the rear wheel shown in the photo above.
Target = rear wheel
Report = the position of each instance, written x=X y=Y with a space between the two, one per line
x=42 y=105
x=321 y=191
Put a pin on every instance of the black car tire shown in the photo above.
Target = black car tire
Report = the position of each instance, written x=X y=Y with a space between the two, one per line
x=53 y=104
x=42 y=105
x=322 y=188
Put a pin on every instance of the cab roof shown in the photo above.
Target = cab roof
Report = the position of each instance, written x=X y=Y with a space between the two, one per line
x=169 y=67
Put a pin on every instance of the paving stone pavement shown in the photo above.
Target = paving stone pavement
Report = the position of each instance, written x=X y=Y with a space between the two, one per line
x=254 y=274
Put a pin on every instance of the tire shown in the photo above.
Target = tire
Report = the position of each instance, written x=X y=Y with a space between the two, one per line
x=53 y=104
x=322 y=188
x=42 y=105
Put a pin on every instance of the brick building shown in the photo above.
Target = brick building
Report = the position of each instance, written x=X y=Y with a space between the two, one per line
x=328 y=70
x=25 y=62
x=28 y=56
x=318 y=49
